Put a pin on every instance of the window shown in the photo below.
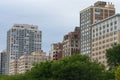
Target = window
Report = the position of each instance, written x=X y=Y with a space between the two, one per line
x=111 y=29
x=104 y=41
x=111 y=23
x=107 y=40
x=96 y=53
x=104 y=46
x=97 y=10
x=100 y=57
x=111 y=44
x=107 y=25
x=103 y=37
x=115 y=38
x=115 y=27
x=99 y=42
x=103 y=27
x=111 y=34
x=98 y=13
x=104 y=32
x=103 y=51
x=96 y=29
x=115 y=22
x=111 y=39
x=99 y=47
x=99 y=52
x=107 y=45
x=107 y=30
x=96 y=34
x=96 y=44
x=96 y=39
x=115 y=33
x=16 y=26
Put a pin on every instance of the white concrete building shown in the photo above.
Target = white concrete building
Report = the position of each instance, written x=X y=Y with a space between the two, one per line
x=22 y=39
x=105 y=34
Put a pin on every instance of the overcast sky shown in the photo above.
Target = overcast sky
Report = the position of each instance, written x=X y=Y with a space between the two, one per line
x=55 y=18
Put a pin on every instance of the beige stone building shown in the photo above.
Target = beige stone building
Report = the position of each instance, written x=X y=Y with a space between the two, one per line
x=13 y=67
x=26 y=62
x=71 y=43
x=105 y=34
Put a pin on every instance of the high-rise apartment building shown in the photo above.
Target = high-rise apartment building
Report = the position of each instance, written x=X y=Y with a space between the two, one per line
x=56 y=51
x=3 y=63
x=71 y=43
x=105 y=34
x=23 y=39
x=92 y=14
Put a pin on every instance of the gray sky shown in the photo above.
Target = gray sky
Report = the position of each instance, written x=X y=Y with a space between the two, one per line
x=55 y=18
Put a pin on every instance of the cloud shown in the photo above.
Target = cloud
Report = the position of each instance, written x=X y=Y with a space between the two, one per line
x=54 y=17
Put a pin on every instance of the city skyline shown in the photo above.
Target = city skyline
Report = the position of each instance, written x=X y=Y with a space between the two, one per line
x=54 y=20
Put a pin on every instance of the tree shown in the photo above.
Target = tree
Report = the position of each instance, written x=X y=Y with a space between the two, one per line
x=41 y=71
x=77 y=67
x=109 y=75
x=113 y=56
x=13 y=77
x=117 y=73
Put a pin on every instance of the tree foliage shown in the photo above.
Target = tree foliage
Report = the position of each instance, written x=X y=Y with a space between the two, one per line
x=113 y=56
x=13 y=77
x=76 y=67
x=117 y=73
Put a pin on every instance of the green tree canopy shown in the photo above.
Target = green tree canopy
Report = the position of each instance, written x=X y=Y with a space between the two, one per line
x=76 y=67
x=113 y=56
x=117 y=73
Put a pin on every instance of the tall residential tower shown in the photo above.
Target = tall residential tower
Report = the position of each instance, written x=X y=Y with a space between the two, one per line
x=22 y=39
x=92 y=14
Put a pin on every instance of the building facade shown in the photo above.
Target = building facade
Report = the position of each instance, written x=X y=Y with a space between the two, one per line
x=92 y=14
x=26 y=62
x=13 y=67
x=105 y=34
x=56 y=51
x=3 y=63
x=71 y=43
x=52 y=50
x=23 y=39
